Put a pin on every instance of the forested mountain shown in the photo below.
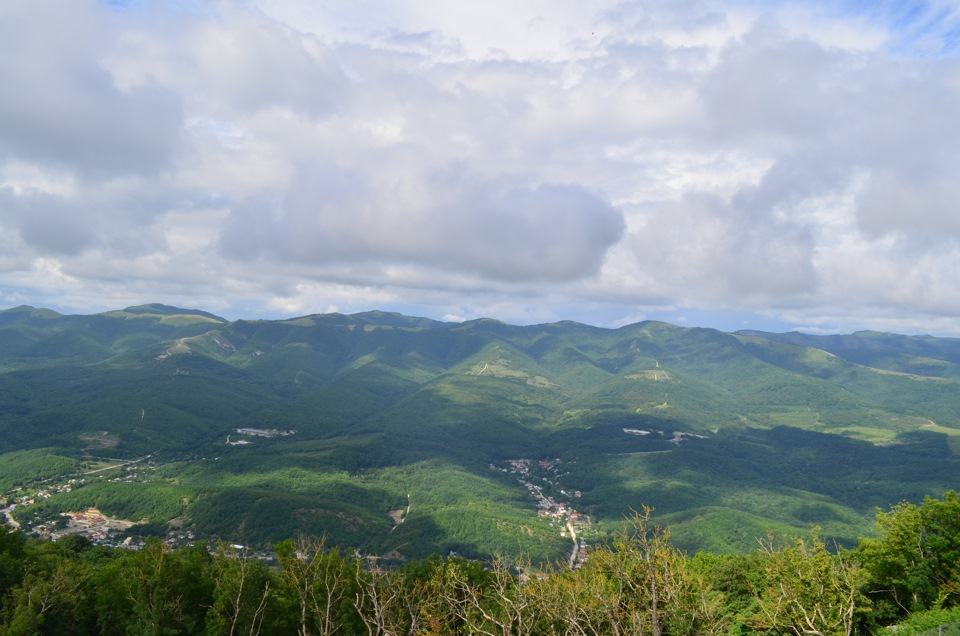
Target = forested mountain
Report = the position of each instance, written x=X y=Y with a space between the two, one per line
x=902 y=583
x=727 y=436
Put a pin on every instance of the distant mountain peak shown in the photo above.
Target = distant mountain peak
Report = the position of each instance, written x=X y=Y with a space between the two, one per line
x=394 y=319
x=159 y=309
x=26 y=311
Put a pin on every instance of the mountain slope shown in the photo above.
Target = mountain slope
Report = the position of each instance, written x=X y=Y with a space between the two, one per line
x=389 y=411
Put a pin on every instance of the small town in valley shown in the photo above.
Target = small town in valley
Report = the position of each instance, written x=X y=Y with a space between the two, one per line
x=555 y=504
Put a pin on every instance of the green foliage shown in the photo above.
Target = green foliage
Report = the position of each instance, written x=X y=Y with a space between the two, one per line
x=637 y=583
x=646 y=585
x=25 y=467
x=12 y=552
x=934 y=622
x=386 y=405
x=455 y=510
x=150 y=502
x=807 y=590
x=914 y=562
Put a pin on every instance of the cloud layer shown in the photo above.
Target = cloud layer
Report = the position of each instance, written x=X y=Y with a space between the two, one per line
x=794 y=161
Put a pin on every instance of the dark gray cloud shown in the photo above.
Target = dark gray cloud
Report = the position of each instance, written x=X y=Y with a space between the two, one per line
x=63 y=107
x=48 y=223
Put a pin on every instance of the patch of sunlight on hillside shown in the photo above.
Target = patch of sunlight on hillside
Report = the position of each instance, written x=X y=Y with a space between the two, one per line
x=798 y=419
x=179 y=320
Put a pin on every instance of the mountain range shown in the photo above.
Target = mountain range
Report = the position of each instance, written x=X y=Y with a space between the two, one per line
x=353 y=423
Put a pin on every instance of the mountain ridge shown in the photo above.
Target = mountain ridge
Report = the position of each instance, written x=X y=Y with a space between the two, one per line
x=385 y=405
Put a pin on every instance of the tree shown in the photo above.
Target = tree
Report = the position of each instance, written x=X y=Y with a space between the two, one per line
x=12 y=560
x=322 y=583
x=640 y=584
x=386 y=603
x=806 y=590
x=155 y=591
x=914 y=562
x=50 y=602
x=501 y=606
x=242 y=592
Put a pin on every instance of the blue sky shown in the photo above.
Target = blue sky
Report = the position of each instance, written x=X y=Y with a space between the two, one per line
x=920 y=28
x=741 y=165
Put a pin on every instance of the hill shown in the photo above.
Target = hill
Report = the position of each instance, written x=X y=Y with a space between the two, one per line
x=389 y=417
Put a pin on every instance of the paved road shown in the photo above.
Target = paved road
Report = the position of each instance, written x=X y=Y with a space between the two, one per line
x=576 y=546
x=8 y=513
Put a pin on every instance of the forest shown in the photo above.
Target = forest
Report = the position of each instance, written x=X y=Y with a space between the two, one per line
x=138 y=412
x=905 y=580
x=748 y=505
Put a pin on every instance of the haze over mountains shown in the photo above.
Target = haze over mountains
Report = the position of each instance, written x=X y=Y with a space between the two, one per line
x=728 y=435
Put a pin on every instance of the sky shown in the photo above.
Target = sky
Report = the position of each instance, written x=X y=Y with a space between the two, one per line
x=737 y=164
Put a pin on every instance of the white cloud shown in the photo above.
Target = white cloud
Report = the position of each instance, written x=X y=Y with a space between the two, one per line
x=579 y=160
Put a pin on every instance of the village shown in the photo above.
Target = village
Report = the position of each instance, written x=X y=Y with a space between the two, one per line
x=95 y=526
x=90 y=523
x=23 y=498
x=540 y=476
x=18 y=508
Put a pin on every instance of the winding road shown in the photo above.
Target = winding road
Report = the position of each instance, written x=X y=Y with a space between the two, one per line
x=576 y=546
x=8 y=513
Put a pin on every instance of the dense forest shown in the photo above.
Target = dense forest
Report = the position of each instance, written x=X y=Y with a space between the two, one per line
x=763 y=458
x=137 y=412
x=908 y=575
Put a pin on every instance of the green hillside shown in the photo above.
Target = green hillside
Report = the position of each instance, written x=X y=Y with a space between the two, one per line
x=727 y=435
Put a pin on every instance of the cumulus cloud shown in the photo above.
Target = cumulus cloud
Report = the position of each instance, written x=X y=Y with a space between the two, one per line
x=246 y=63
x=595 y=161
x=553 y=232
x=715 y=251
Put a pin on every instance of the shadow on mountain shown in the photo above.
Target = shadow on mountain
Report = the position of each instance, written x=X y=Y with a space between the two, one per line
x=257 y=515
x=775 y=480
x=386 y=406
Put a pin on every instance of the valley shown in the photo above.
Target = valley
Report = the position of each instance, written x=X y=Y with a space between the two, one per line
x=252 y=432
